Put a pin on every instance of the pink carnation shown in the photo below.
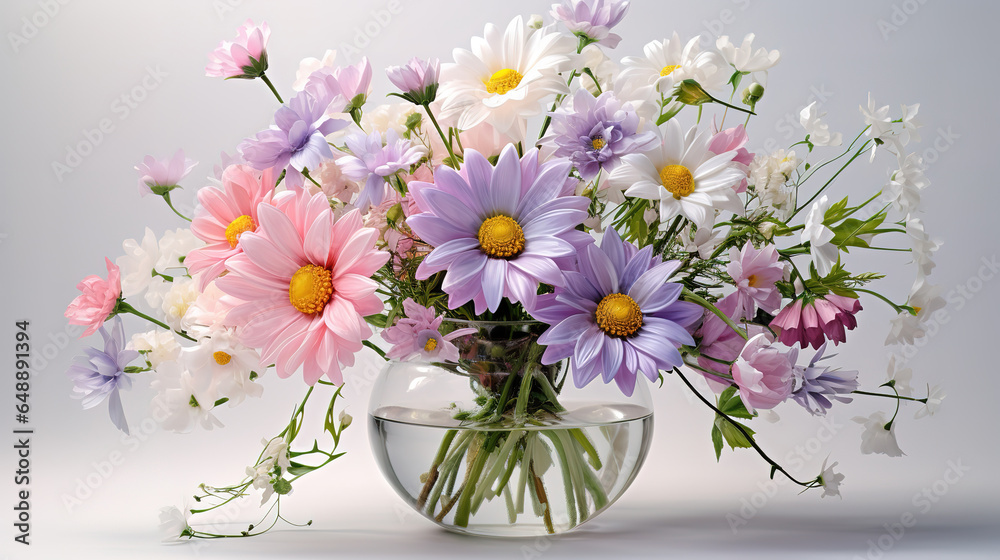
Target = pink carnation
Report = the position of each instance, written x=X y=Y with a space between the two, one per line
x=418 y=334
x=754 y=272
x=97 y=300
x=827 y=317
x=764 y=374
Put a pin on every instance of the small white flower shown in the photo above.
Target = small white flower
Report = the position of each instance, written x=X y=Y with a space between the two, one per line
x=535 y=21
x=309 y=65
x=926 y=300
x=935 y=394
x=830 y=480
x=183 y=401
x=922 y=245
x=180 y=295
x=901 y=376
x=909 y=124
x=601 y=65
x=387 y=116
x=744 y=58
x=671 y=61
x=877 y=439
x=703 y=241
x=223 y=365
x=137 y=263
x=159 y=345
x=345 y=419
x=818 y=131
x=878 y=119
x=206 y=315
x=824 y=254
x=769 y=175
x=174 y=523
x=905 y=184
x=173 y=246
x=277 y=450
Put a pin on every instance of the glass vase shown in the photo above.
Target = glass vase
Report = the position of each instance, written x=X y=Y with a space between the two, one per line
x=499 y=444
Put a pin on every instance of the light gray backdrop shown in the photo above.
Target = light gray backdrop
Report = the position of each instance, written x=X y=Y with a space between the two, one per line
x=137 y=69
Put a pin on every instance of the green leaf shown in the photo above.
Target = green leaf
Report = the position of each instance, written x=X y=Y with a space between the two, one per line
x=717 y=441
x=376 y=320
x=731 y=405
x=836 y=212
x=282 y=486
x=731 y=434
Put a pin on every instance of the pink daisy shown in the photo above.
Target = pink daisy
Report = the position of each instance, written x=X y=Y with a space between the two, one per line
x=418 y=334
x=224 y=215
x=755 y=272
x=302 y=286
x=97 y=300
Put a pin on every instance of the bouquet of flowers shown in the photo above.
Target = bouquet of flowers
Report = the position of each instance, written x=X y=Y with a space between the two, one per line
x=531 y=214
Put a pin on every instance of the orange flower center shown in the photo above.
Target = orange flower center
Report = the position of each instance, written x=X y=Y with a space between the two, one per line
x=238 y=227
x=668 y=69
x=503 y=81
x=678 y=180
x=222 y=358
x=310 y=289
x=618 y=315
x=430 y=345
x=501 y=237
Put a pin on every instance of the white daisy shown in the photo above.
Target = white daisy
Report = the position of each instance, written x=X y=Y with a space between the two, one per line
x=686 y=177
x=769 y=175
x=935 y=394
x=922 y=245
x=905 y=184
x=926 y=300
x=222 y=367
x=818 y=131
x=137 y=263
x=505 y=77
x=668 y=62
x=830 y=480
x=824 y=254
x=744 y=58
x=877 y=439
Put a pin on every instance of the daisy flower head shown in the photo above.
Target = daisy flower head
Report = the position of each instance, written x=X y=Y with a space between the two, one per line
x=592 y=19
x=223 y=365
x=597 y=132
x=297 y=142
x=371 y=163
x=684 y=175
x=498 y=231
x=754 y=273
x=160 y=176
x=224 y=215
x=246 y=57
x=418 y=334
x=617 y=316
x=505 y=77
x=97 y=299
x=668 y=62
x=99 y=375
x=302 y=286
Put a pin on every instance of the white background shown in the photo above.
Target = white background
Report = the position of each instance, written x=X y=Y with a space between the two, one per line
x=68 y=75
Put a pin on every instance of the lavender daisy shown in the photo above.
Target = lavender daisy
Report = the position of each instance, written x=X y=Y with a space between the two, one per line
x=100 y=374
x=592 y=19
x=819 y=384
x=617 y=315
x=498 y=231
x=371 y=163
x=597 y=132
x=298 y=141
x=159 y=176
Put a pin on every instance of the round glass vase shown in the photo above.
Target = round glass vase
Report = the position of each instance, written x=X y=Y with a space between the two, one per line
x=498 y=444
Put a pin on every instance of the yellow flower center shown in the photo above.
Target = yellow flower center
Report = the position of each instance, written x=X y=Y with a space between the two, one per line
x=222 y=358
x=501 y=237
x=310 y=289
x=752 y=281
x=598 y=143
x=430 y=345
x=678 y=180
x=503 y=81
x=618 y=315
x=668 y=69
x=917 y=309
x=237 y=227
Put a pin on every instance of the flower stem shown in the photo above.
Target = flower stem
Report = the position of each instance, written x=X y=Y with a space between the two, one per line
x=897 y=397
x=271 y=86
x=126 y=308
x=166 y=198
x=695 y=298
x=447 y=142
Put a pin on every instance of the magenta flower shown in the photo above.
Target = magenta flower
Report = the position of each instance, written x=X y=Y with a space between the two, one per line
x=418 y=80
x=617 y=316
x=813 y=322
x=371 y=163
x=100 y=374
x=298 y=141
x=224 y=215
x=302 y=286
x=418 y=334
x=764 y=374
x=244 y=58
x=159 y=176
x=818 y=385
x=592 y=18
x=734 y=139
x=754 y=273
x=498 y=232
x=97 y=300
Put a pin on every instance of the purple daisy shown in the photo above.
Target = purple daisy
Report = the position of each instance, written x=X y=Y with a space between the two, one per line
x=819 y=384
x=618 y=315
x=371 y=162
x=597 y=132
x=100 y=374
x=498 y=231
x=298 y=141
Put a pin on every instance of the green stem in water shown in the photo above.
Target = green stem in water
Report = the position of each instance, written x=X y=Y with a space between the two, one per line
x=271 y=86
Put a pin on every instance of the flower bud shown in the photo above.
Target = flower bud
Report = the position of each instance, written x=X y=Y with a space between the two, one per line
x=690 y=92
x=535 y=21
x=753 y=94
x=345 y=419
